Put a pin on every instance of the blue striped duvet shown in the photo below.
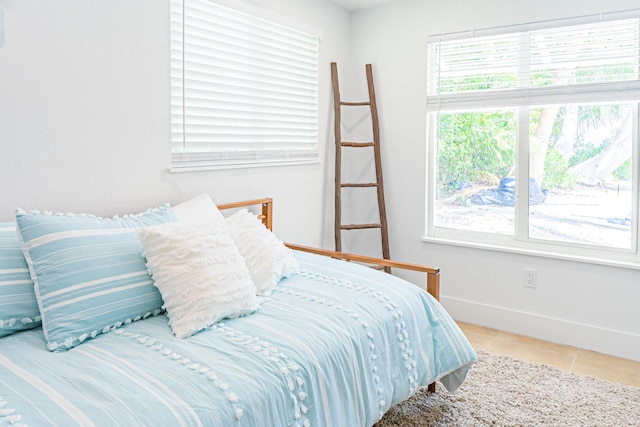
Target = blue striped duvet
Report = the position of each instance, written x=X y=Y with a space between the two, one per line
x=335 y=345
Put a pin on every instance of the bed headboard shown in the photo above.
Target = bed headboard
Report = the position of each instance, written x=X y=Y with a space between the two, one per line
x=266 y=214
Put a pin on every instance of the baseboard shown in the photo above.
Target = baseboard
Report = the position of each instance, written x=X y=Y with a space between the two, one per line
x=589 y=337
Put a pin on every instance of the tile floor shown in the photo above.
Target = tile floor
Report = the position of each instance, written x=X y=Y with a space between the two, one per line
x=572 y=359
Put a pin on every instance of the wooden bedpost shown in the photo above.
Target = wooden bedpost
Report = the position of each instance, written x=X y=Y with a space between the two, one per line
x=267 y=213
x=433 y=284
x=433 y=287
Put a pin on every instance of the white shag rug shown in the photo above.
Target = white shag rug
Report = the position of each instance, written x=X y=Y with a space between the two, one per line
x=504 y=392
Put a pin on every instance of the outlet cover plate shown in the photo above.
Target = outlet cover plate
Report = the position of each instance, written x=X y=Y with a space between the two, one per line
x=530 y=278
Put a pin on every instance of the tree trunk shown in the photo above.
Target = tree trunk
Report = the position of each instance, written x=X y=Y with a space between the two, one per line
x=539 y=141
x=593 y=171
x=567 y=138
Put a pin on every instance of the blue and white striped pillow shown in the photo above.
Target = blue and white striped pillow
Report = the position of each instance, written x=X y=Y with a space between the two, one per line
x=18 y=305
x=89 y=273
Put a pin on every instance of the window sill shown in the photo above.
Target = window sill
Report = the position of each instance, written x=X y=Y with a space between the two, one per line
x=193 y=162
x=621 y=263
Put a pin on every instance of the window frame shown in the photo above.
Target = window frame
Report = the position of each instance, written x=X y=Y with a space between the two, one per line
x=519 y=241
x=256 y=146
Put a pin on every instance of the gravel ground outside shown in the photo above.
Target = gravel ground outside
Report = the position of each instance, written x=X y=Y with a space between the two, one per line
x=587 y=215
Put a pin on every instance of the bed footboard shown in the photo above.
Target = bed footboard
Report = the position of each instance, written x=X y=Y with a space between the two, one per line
x=433 y=274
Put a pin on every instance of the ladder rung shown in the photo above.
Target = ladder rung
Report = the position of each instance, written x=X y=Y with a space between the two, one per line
x=359 y=226
x=355 y=104
x=357 y=144
x=364 y=184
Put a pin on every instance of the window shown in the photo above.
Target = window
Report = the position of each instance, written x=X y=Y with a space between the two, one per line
x=533 y=137
x=244 y=90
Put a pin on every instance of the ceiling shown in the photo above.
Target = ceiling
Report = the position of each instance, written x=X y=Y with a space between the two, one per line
x=353 y=5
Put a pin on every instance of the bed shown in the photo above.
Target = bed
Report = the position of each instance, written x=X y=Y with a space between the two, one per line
x=332 y=343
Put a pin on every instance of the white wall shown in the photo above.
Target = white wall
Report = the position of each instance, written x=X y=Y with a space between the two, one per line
x=590 y=306
x=84 y=114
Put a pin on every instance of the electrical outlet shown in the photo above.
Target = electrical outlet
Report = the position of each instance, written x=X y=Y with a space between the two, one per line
x=530 y=278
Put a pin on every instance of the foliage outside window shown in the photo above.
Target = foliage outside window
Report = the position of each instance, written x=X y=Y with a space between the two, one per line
x=533 y=132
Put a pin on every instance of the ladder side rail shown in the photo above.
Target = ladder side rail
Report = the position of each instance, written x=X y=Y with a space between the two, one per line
x=378 y=164
x=338 y=157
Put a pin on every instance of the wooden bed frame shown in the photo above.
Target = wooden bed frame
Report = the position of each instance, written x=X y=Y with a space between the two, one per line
x=266 y=215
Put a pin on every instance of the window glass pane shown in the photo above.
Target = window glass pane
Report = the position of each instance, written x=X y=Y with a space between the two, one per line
x=581 y=174
x=475 y=166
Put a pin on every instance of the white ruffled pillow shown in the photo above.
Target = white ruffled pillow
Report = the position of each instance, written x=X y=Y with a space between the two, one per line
x=267 y=258
x=200 y=274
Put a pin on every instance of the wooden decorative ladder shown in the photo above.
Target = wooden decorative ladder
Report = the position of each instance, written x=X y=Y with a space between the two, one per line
x=375 y=144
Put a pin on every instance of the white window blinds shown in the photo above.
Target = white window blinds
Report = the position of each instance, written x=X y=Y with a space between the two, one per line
x=244 y=90
x=582 y=59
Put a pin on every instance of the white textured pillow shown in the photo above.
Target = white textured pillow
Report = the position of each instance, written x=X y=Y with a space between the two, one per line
x=267 y=258
x=200 y=274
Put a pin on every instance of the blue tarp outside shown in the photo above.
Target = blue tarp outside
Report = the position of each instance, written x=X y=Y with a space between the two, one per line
x=505 y=193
